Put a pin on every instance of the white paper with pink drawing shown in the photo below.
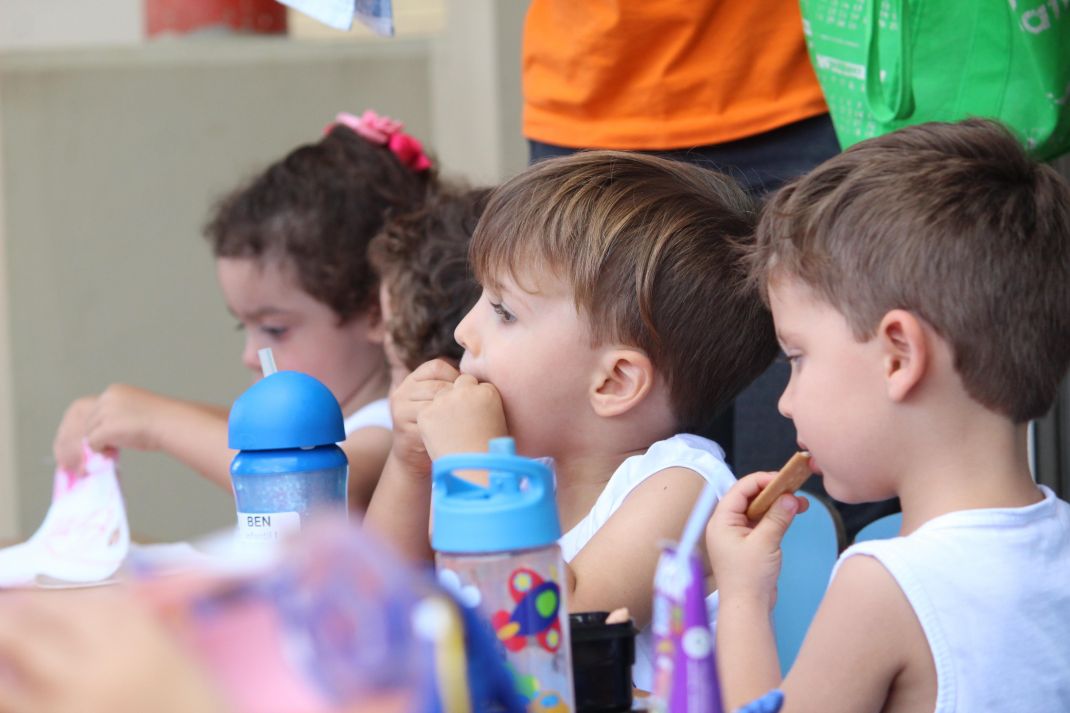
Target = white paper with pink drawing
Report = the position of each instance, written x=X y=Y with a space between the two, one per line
x=84 y=537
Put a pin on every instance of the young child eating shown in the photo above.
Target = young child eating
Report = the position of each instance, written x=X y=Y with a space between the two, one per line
x=615 y=321
x=920 y=286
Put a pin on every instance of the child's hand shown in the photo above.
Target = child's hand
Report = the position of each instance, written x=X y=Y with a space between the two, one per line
x=462 y=418
x=746 y=556
x=98 y=651
x=67 y=445
x=409 y=399
x=126 y=417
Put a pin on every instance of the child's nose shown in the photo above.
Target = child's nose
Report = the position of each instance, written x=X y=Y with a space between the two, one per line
x=249 y=356
x=784 y=403
x=463 y=333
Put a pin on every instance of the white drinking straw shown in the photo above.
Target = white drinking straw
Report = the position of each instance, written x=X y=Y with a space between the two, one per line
x=696 y=523
x=267 y=361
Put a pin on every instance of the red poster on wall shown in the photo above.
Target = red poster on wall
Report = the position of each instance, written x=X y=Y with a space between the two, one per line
x=186 y=16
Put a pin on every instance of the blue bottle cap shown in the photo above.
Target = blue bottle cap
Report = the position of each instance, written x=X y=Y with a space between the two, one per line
x=287 y=409
x=517 y=510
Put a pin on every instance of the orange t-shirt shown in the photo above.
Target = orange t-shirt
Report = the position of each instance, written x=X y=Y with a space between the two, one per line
x=664 y=74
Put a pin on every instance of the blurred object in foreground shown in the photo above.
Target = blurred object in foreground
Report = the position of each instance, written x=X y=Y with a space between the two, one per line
x=337 y=624
x=183 y=17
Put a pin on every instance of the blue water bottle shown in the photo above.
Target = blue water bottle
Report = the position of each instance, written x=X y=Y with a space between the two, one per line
x=285 y=428
x=497 y=546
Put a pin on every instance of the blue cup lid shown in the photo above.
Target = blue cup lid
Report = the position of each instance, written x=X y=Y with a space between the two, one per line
x=287 y=409
x=516 y=511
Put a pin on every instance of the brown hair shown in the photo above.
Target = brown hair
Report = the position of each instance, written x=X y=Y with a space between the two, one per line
x=316 y=209
x=954 y=223
x=651 y=249
x=422 y=256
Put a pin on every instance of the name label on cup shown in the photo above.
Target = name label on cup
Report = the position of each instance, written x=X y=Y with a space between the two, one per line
x=267 y=526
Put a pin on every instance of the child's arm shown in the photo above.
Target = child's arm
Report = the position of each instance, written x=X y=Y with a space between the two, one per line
x=366 y=449
x=616 y=568
x=128 y=417
x=400 y=509
x=746 y=564
x=863 y=641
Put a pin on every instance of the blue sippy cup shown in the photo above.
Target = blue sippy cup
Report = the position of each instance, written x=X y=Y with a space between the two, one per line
x=496 y=545
x=285 y=428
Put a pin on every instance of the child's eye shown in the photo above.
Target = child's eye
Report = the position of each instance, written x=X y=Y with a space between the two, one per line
x=274 y=332
x=504 y=314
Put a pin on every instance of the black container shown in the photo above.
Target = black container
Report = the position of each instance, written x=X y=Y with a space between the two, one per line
x=602 y=658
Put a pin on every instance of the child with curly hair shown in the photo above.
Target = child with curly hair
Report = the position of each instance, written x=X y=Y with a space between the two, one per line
x=291 y=259
x=425 y=283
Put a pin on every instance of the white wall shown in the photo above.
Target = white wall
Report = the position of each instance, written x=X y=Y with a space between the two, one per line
x=66 y=23
x=109 y=159
x=8 y=503
x=476 y=99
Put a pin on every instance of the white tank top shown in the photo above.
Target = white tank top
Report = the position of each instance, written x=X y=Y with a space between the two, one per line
x=371 y=415
x=991 y=589
x=684 y=450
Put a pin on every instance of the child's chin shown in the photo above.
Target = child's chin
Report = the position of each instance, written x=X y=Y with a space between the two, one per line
x=847 y=495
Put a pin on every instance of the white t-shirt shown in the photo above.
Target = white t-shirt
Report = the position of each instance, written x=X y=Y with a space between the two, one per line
x=372 y=415
x=683 y=450
x=991 y=588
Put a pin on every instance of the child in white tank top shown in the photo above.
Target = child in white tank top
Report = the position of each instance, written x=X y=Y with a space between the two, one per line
x=919 y=286
x=614 y=315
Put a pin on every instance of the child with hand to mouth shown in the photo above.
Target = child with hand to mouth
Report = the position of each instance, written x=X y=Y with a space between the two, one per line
x=615 y=321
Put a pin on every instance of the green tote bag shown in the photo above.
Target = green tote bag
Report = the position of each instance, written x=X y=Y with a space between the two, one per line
x=884 y=64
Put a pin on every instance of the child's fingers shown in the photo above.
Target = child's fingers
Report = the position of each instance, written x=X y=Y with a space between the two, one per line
x=735 y=501
x=102 y=439
x=434 y=370
x=466 y=380
x=771 y=528
x=483 y=388
x=427 y=390
x=68 y=454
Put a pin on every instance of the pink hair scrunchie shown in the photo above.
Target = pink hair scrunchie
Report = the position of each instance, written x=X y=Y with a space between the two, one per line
x=384 y=131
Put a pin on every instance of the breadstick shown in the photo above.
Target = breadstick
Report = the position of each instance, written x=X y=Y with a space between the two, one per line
x=791 y=476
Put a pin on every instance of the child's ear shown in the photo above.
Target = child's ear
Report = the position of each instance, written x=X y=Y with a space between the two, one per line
x=376 y=324
x=905 y=352
x=623 y=379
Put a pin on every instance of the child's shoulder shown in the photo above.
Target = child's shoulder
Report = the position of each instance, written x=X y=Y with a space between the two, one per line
x=684 y=450
x=375 y=414
x=949 y=559
x=700 y=455
x=969 y=578
x=1040 y=530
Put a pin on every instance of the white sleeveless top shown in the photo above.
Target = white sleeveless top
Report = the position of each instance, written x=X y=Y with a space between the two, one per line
x=991 y=589
x=372 y=415
x=683 y=450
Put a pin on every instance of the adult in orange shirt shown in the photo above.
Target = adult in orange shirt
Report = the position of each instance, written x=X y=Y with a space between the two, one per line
x=722 y=83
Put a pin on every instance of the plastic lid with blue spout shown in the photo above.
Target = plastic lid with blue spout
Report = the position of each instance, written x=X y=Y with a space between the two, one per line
x=515 y=511
x=287 y=409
